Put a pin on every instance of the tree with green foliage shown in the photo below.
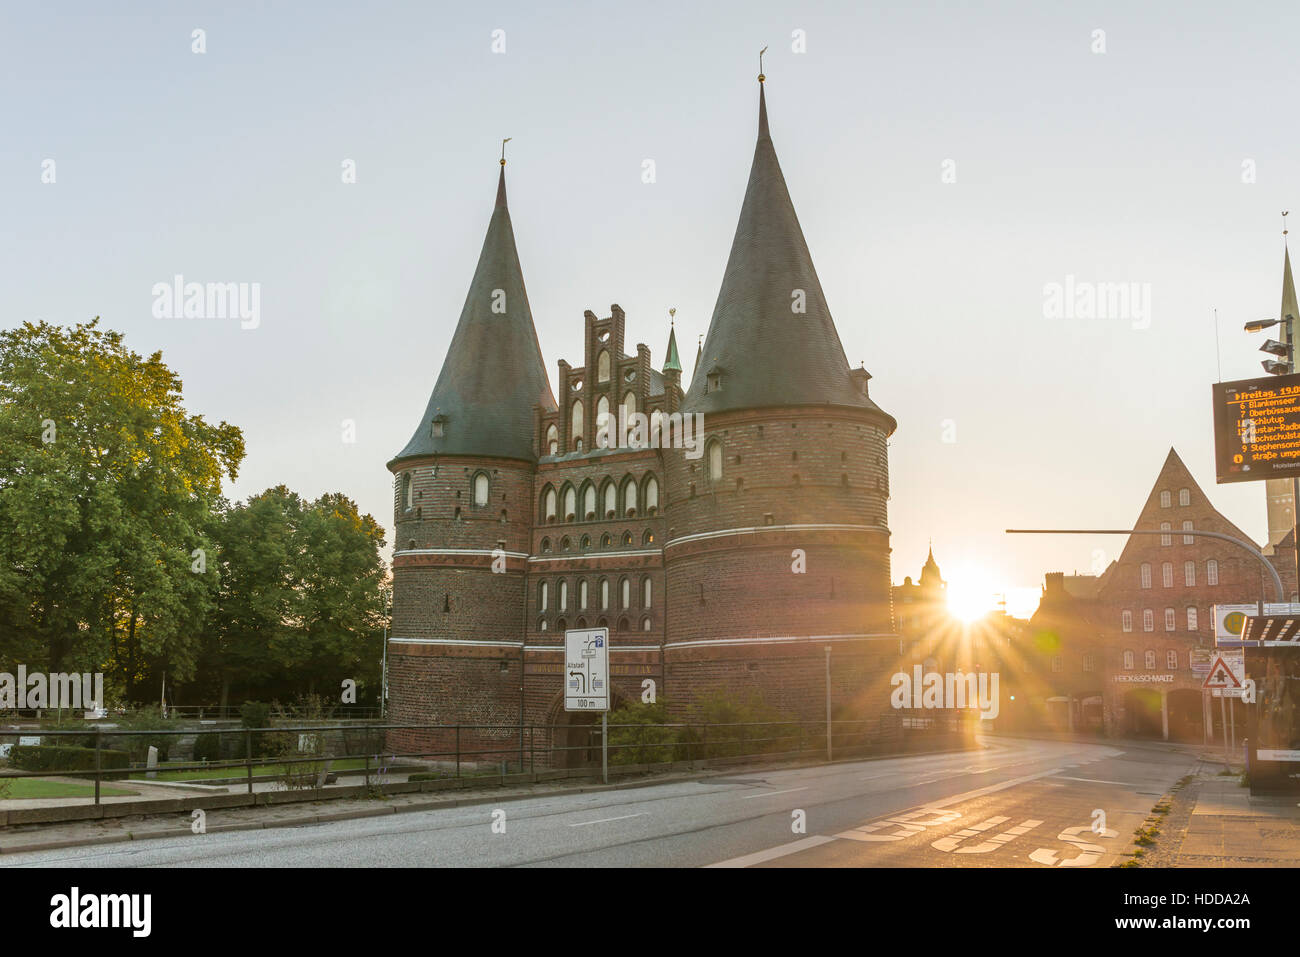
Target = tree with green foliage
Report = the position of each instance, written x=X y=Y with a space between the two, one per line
x=300 y=606
x=108 y=490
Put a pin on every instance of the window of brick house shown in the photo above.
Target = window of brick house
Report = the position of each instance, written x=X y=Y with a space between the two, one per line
x=1171 y=659
x=1166 y=539
x=1192 y=622
x=1170 y=621
x=1167 y=574
x=1188 y=539
x=1212 y=572
x=1184 y=497
x=1126 y=620
x=1128 y=661
x=1146 y=575
x=1149 y=660
x=1164 y=499
x=1148 y=620
x=1189 y=574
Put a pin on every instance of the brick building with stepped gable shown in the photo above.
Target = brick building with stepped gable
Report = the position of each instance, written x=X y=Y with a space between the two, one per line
x=739 y=567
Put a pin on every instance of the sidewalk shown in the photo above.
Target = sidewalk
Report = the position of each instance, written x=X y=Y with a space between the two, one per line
x=1229 y=828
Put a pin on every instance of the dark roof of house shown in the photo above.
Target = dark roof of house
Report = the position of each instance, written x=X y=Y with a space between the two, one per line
x=774 y=356
x=493 y=374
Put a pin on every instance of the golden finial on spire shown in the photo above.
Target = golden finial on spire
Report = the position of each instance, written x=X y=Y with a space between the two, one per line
x=761 y=78
x=672 y=314
x=1284 y=229
x=503 y=149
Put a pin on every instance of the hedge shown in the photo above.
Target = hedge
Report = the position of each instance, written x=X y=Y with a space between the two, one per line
x=59 y=758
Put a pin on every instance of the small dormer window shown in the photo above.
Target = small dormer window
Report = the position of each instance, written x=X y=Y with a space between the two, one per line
x=439 y=426
x=629 y=375
x=714 y=382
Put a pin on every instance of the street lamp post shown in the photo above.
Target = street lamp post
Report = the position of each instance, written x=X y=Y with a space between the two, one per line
x=1286 y=349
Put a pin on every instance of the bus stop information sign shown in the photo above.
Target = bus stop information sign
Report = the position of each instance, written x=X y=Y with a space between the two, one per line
x=1257 y=429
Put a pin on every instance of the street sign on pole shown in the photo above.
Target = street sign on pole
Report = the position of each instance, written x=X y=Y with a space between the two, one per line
x=586 y=670
x=1227 y=671
x=586 y=681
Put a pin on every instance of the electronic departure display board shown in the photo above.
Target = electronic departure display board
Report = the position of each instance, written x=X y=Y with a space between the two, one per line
x=1257 y=429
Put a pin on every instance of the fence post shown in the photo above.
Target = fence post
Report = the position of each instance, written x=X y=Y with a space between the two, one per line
x=99 y=736
x=248 y=756
x=457 y=750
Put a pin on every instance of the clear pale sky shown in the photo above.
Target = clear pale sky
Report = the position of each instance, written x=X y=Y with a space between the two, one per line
x=1125 y=166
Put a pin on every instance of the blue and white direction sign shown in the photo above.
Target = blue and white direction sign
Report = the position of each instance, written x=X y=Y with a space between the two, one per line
x=586 y=670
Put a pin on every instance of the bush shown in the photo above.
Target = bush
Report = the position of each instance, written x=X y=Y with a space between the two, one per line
x=207 y=747
x=757 y=728
x=648 y=741
x=46 y=757
x=308 y=710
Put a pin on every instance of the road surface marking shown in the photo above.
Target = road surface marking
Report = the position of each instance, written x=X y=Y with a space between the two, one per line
x=605 y=820
x=932 y=806
x=993 y=843
x=750 y=797
x=952 y=840
x=1066 y=777
x=794 y=847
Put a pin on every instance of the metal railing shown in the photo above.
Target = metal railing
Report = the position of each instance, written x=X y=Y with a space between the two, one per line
x=477 y=750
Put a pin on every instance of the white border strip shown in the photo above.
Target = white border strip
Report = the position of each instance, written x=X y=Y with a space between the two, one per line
x=394 y=640
x=571 y=556
x=706 y=642
x=490 y=552
x=701 y=536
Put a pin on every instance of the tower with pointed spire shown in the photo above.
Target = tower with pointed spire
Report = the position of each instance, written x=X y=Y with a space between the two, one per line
x=463 y=492
x=778 y=541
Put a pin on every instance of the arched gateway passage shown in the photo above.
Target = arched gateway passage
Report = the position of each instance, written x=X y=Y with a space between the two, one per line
x=575 y=736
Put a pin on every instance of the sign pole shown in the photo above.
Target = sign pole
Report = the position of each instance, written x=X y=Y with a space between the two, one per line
x=1232 y=723
x=604 y=746
x=1223 y=722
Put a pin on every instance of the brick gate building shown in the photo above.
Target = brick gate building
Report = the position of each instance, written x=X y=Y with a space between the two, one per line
x=736 y=563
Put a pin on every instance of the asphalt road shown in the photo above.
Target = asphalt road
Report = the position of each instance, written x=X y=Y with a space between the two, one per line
x=1016 y=803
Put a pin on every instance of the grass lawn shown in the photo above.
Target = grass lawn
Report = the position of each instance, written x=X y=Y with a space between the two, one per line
x=19 y=788
x=239 y=771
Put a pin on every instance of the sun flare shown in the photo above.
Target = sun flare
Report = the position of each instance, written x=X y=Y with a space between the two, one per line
x=971 y=594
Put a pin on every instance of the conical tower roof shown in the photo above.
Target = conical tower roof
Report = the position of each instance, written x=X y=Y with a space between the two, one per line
x=768 y=351
x=493 y=374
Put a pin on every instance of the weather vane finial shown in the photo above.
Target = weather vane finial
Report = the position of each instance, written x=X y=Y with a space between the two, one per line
x=503 y=149
x=672 y=314
x=1284 y=229
x=761 y=78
